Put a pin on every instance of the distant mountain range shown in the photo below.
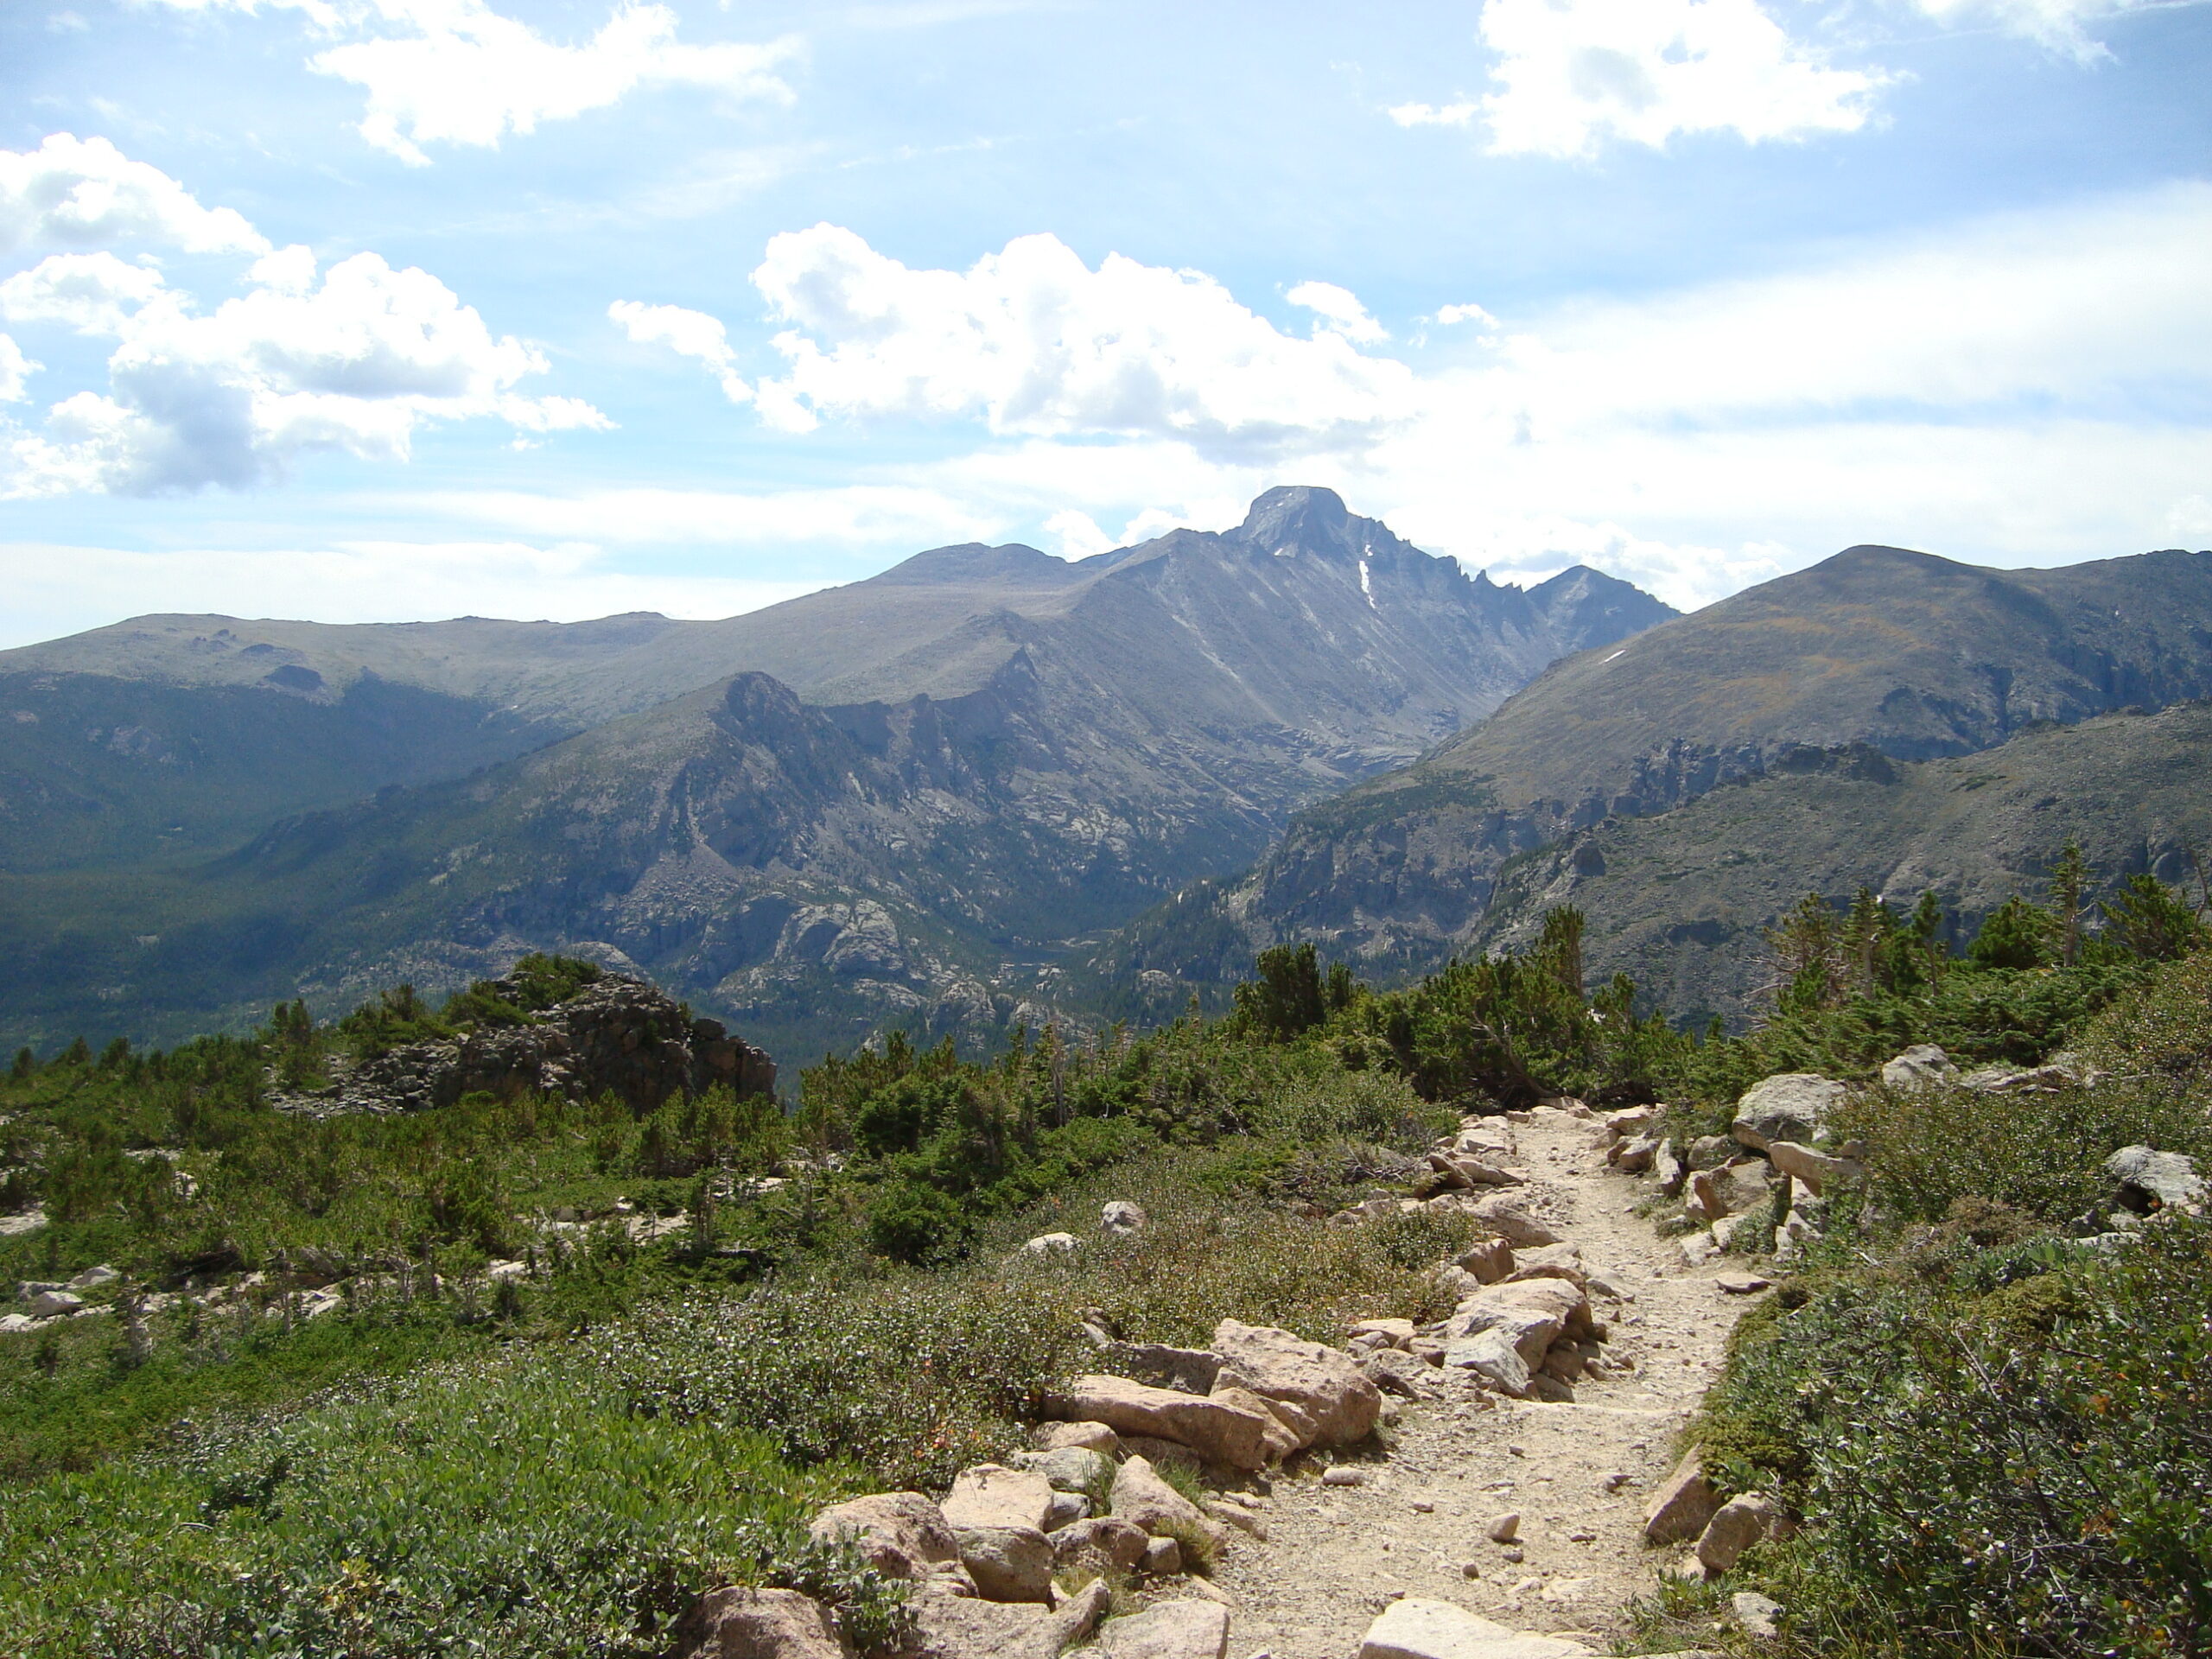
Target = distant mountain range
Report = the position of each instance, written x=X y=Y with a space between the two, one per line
x=1805 y=689
x=905 y=801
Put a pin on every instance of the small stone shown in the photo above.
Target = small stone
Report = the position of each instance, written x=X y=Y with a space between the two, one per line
x=1050 y=1244
x=1735 y=1527
x=1471 y=1569
x=1516 y=1556
x=1743 y=1284
x=1122 y=1217
x=1422 y=1506
x=1505 y=1529
x=1163 y=1558
x=1759 y=1615
x=1341 y=1476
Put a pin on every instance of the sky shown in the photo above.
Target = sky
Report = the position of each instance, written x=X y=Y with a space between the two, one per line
x=381 y=310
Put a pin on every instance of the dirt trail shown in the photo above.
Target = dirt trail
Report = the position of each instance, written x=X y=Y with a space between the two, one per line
x=1334 y=1554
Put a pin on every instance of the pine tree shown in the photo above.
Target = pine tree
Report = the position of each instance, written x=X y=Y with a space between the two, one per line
x=2069 y=881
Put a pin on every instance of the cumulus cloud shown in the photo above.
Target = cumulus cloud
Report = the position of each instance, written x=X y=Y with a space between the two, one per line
x=16 y=370
x=85 y=192
x=1572 y=73
x=687 y=333
x=456 y=71
x=92 y=293
x=1031 y=339
x=356 y=361
x=1338 y=310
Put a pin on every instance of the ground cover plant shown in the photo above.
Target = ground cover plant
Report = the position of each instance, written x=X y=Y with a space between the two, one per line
x=833 y=1295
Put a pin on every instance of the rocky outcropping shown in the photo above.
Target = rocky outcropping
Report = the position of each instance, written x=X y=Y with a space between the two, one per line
x=618 y=1036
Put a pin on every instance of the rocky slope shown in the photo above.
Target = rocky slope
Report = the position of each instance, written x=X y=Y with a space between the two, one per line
x=914 y=793
x=1879 y=654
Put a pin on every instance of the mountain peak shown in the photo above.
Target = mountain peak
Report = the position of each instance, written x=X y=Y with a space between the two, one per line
x=1301 y=515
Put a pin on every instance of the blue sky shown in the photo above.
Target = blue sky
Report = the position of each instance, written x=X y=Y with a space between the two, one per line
x=381 y=310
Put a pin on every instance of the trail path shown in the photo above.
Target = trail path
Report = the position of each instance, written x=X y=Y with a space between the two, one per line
x=1334 y=1554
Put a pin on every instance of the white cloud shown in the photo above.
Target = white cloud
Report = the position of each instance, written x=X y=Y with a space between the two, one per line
x=687 y=333
x=2059 y=25
x=92 y=293
x=1033 y=341
x=16 y=369
x=355 y=364
x=458 y=73
x=1338 y=310
x=1451 y=315
x=85 y=192
x=1571 y=73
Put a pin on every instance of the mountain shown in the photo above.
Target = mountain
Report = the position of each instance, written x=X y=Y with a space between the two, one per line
x=1907 y=656
x=897 y=802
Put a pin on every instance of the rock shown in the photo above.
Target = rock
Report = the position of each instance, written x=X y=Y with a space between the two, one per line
x=992 y=1495
x=1121 y=1217
x=94 y=1278
x=1505 y=1529
x=1817 y=1170
x=1709 y=1151
x=1922 y=1065
x=1321 y=1382
x=735 y=1622
x=1466 y=1170
x=1050 y=1244
x=1084 y=1437
x=1490 y=1262
x=1631 y=1119
x=1503 y=1334
x=1289 y=1426
x=1397 y=1371
x=1167 y=1629
x=1510 y=1218
x=1735 y=1527
x=1551 y=1261
x=52 y=1304
x=1495 y=1356
x=1102 y=1546
x=1556 y=1299
x=1188 y=1370
x=1757 y=1616
x=1668 y=1169
x=1414 y=1628
x=1236 y=1515
x=904 y=1534
x=1163 y=1558
x=1397 y=1333
x=1634 y=1157
x=1217 y=1430
x=1008 y=1563
x=1742 y=1284
x=1142 y=1497
x=1067 y=1509
x=958 y=1627
x=1069 y=1468
x=1341 y=1476
x=1731 y=1190
x=2148 y=1180
x=1682 y=1505
x=1794 y=1106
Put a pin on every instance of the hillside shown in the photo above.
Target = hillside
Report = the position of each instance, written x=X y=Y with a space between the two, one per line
x=903 y=803
x=1911 y=657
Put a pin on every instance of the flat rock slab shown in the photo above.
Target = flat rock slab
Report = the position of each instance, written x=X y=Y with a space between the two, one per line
x=992 y=1495
x=734 y=1623
x=1415 y=1628
x=1167 y=1630
x=1217 y=1430
x=960 y=1627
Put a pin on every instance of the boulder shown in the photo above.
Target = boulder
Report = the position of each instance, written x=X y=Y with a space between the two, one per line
x=1490 y=1261
x=737 y=1622
x=1067 y=1509
x=1415 y=1628
x=1050 y=1244
x=1732 y=1190
x=1698 y=1248
x=1087 y=1437
x=1467 y=1169
x=1324 y=1384
x=1921 y=1066
x=1710 y=1151
x=1503 y=1334
x=904 y=1534
x=1167 y=1630
x=1682 y=1505
x=1121 y=1217
x=94 y=1278
x=1794 y=1106
x=1817 y=1170
x=1735 y=1527
x=1397 y=1333
x=1008 y=1563
x=1069 y=1468
x=2148 y=1179
x=1668 y=1169
x=1217 y=1430
x=1759 y=1617
x=1394 y=1371
x=1102 y=1546
x=959 y=1627
x=1291 y=1426
x=1163 y=1558
x=1634 y=1157
x=1189 y=1370
x=1551 y=1261
x=992 y=1495
x=1142 y=1497
x=51 y=1304
x=1510 y=1218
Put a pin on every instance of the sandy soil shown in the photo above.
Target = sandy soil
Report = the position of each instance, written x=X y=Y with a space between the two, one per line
x=1580 y=1475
